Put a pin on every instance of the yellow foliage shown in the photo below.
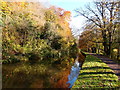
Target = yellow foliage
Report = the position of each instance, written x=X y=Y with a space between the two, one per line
x=115 y=50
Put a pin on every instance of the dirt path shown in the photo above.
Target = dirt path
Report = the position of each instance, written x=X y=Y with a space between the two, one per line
x=111 y=63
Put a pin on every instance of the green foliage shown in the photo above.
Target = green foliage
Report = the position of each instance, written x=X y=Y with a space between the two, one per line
x=26 y=41
x=12 y=59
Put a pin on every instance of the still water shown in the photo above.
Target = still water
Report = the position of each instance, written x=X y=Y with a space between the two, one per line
x=74 y=73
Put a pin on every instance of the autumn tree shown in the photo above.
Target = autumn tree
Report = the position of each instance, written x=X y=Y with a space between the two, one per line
x=62 y=22
x=102 y=16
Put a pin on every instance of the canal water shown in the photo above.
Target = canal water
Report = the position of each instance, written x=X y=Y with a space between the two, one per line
x=74 y=73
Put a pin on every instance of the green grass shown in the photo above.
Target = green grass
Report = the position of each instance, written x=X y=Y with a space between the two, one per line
x=95 y=75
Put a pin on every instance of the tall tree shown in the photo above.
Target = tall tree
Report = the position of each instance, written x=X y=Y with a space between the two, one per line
x=102 y=16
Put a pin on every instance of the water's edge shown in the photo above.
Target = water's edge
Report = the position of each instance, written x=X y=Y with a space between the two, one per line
x=74 y=73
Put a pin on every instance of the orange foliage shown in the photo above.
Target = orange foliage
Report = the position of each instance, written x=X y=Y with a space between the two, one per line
x=63 y=21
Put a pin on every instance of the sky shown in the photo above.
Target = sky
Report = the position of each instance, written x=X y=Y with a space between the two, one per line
x=76 y=23
x=70 y=5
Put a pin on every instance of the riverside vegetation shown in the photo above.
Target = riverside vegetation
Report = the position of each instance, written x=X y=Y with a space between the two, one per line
x=38 y=49
x=37 y=45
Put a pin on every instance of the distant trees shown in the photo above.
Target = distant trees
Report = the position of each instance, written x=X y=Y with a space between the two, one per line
x=102 y=16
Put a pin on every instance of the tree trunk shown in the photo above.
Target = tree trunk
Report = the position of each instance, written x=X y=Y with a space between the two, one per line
x=118 y=55
x=106 y=49
x=105 y=44
x=110 y=43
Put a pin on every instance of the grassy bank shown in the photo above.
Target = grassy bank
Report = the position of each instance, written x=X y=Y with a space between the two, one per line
x=96 y=74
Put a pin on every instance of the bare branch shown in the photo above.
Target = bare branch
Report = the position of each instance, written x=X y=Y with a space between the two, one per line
x=97 y=16
x=83 y=14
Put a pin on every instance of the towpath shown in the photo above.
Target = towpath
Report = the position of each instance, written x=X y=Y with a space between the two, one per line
x=111 y=63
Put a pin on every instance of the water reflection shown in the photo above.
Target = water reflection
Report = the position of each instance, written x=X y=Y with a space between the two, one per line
x=75 y=70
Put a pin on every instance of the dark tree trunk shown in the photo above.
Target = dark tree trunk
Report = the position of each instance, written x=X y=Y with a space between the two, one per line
x=105 y=44
x=110 y=43
x=106 y=48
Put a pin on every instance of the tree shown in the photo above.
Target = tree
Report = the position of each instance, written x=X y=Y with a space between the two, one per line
x=102 y=17
x=62 y=22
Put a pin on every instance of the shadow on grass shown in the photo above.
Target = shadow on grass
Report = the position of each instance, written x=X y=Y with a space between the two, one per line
x=110 y=63
x=115 y=69
x=118 y=74
x=95 y=88
x=97 y=67
x=88 y=77
x=86 y=73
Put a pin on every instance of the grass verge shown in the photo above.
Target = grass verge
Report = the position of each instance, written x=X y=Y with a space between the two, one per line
x=95 y=75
